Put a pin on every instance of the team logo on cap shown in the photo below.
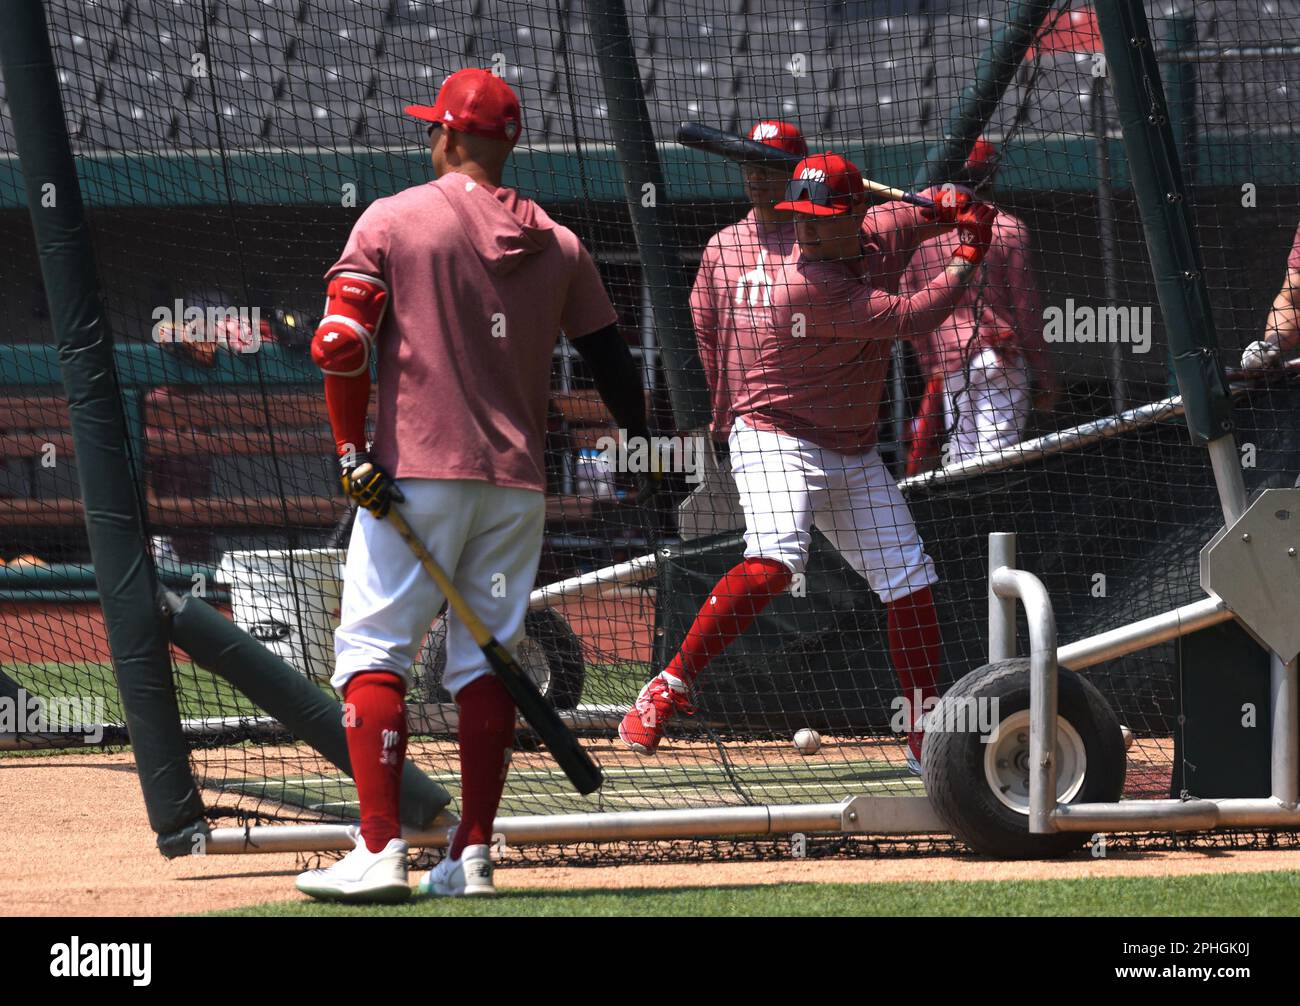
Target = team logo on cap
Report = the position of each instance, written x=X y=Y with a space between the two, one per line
x=812 y=175
x=765 y=131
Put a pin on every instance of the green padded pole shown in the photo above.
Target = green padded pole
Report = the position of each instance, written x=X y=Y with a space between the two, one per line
x=1166 y=218
x=982 y=95
x=109 y=485
x=220 y=646
x=647 y=200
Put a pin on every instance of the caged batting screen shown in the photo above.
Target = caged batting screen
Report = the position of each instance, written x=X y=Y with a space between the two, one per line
x=226 y=148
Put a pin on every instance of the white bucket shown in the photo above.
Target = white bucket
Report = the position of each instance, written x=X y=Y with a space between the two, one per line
x=289 y=601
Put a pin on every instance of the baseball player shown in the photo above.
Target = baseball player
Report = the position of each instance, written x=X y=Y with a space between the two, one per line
x=987 y=365
x=732 y=292
x=732 y=289
x=458 y=289
x=802 y=447
x=1282 y=331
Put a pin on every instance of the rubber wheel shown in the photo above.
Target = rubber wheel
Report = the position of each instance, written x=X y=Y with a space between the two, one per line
x=550 y=652
x=980 y=791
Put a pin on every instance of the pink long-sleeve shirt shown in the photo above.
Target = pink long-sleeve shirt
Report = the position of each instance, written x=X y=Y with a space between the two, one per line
x=731 y=299
x=1006 y=293
x=820 y=367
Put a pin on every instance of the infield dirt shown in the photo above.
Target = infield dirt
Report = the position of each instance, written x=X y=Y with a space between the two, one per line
x=74 y=840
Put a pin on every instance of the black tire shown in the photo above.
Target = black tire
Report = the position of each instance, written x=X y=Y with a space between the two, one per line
x=960 y=791
x=563 y=650
x=549 y=646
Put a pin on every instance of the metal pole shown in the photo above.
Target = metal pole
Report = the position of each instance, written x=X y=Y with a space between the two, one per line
x=1012 y=584
x=1131 y=638
x=1002 y=610
x=870 y=815
x=1109 y=245
x=1285 y=714
x=1226 y=464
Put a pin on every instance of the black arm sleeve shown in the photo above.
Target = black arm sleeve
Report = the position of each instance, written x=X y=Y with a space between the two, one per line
x=617 y=376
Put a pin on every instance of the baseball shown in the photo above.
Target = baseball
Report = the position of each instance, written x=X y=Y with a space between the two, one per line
x=807 y=741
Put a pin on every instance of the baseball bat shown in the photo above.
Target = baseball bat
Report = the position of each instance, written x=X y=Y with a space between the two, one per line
x=740 y=148
x=540 y=714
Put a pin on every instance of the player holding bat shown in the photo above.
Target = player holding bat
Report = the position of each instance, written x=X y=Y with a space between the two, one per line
x=733 y=287
x=459 y=288
x=803 y=444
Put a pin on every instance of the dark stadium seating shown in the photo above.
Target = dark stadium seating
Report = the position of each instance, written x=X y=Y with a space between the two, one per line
x=290 y=73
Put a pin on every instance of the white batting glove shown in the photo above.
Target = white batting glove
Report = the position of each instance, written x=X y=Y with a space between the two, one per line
x=1260 y=355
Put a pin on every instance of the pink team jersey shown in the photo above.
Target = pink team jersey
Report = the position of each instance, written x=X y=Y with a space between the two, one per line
x=1006 y=292
x=732 y=296
x=820 y=368
x=730 y=302
x=481 y=284
x=1293 y=260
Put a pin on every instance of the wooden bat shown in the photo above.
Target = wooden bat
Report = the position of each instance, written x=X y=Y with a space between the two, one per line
x=747 y=151
x=540 y=714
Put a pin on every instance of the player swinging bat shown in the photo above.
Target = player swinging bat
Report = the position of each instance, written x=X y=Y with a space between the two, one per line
x=806 y=395
x=459 y=289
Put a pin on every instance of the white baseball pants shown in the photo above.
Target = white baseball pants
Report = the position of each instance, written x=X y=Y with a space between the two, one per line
x=987 y=408
x=787 y=485
x=487 y=538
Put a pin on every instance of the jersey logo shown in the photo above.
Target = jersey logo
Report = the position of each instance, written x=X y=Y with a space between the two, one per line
x=389 y=740
x=757 y=282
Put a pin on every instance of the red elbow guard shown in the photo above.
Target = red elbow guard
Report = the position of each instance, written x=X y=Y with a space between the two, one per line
x=354 y=309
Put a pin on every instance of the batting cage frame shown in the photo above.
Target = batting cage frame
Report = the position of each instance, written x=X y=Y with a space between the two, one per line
x=1247 y=565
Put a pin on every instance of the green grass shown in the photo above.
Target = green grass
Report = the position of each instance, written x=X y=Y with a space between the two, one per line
x=1260 y=894
x=198 y=692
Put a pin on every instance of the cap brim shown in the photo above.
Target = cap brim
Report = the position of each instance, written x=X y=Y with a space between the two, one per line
x=811 y=209
x=425 y=112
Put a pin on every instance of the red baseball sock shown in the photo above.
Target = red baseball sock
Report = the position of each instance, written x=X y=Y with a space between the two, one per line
x=744 y=591
x=375 y=726
x=915 y=647
x=487 y=738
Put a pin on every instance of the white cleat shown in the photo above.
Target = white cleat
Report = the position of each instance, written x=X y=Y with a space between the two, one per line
x=1127 y=734
x=362 y=876
x=467 y=877
x=914 y=764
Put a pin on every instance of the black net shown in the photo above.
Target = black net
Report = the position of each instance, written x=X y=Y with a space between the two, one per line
x=226 y=148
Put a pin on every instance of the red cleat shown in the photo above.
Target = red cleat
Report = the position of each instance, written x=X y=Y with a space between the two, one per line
x=643 y=727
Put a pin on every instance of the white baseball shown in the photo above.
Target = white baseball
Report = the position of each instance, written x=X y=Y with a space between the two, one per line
x=807 y=741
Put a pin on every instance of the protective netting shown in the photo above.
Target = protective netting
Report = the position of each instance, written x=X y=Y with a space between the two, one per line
x=226 y=148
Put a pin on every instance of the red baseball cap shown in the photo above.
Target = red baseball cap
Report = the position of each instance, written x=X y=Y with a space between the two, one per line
x=983 y=158
x=823 y=185
x=781 y=135
x=474 y=101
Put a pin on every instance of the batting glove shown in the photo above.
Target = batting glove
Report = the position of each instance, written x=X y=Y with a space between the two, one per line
x=950 y=201
x=975 y=231
x=368 y=485
x=1260 y=355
